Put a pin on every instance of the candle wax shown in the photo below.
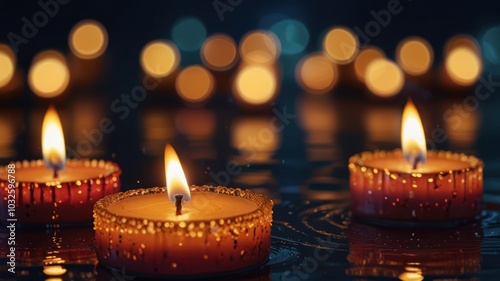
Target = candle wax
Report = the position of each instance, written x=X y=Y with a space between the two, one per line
x=41 y=198
x=433 y=164
x=41 y=174
x=202 y=206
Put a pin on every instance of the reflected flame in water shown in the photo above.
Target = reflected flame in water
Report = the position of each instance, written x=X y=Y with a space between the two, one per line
x=462 y=135
x=318 y=117
x=383 y=125
x=158 y=129
x=411 y=254
x=54 y=270
x=254 y=139
x=8 y=133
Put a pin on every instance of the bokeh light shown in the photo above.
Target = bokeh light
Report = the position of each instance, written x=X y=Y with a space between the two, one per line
x=490 y=43
x=219 y=52
x=195 y=84
x=189 y=33
x=462 y=40
x=88 y=39
x=414 y=55
x=7 y=65
x=384 y=78
x=49 y=75
x=255 y=84
x=259 y=46
x=463 y=66
x=159 y=58
x=341 y=44
x=316 y=73
x=293 y=36
x=364 y=58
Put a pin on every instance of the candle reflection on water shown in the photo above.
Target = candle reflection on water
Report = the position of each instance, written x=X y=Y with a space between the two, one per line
x=382 y=126
x=405 y=253
x=254 y=139
x=318 y=117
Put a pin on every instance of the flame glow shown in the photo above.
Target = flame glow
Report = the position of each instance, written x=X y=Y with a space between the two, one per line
x=176 y=180
x=53 y=147
x=412 y=136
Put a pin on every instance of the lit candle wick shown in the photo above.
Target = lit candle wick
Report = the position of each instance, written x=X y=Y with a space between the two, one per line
x=178 y=204
x=414 y=160
x=56 y=172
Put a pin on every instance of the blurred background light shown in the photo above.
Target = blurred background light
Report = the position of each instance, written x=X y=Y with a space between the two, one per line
x=462 y=40
x=316 y=73
x=414 y=55
x=189 y=33
x=463 y=66
x=219 y=52
x=195 y=84
x=384 y=78
x=159 y=58
x=490 y=45
x=255 y=84
x=364 y=58
x=341 y=44
x=7 y=64
x=293 y=36
x=196 y=123
x=49 y=75
x=88 y=39
x=259 y=46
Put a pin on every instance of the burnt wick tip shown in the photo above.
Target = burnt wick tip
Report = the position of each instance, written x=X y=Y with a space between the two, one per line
x=178 y=204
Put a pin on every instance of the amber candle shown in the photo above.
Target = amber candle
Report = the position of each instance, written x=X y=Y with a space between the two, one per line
x=412 y=185
x=153 y=232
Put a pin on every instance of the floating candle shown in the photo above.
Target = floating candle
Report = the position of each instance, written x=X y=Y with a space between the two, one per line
x=415 y=186
x=55 y=190
x=165 y=231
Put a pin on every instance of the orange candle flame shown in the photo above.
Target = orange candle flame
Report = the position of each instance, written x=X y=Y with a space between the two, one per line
x=53 y=147
x=176 y=180
x=412 y=136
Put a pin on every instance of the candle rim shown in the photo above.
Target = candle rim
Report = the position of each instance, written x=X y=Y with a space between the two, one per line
x=263 y=203
x=472 y=162
x=111 y=168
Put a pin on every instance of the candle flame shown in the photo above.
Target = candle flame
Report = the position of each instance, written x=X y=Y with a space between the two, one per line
x=412 y=136
x=53 y=147
x=176 y=180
